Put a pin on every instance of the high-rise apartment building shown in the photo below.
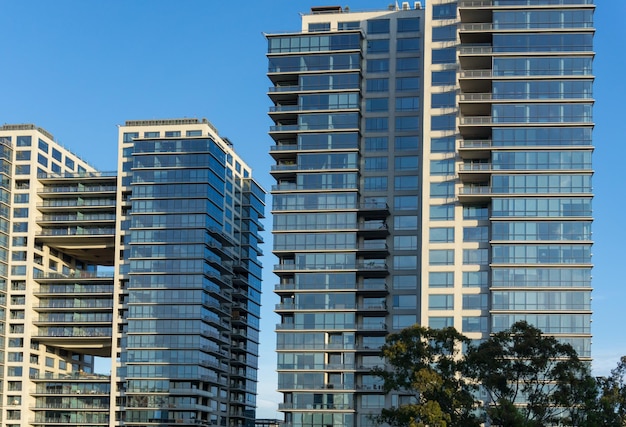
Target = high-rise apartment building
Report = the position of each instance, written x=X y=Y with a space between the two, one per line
x=154 y=268
x=433 y=166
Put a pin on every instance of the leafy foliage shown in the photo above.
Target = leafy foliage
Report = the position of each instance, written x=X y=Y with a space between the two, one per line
x=531 y=379
x=425 y=363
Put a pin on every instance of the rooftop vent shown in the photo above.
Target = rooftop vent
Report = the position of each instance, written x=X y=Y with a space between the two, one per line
x=326 y=9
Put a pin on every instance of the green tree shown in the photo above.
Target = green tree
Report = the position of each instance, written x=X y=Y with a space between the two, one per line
x=426 y=363
x=532 y=380
x=610 y=403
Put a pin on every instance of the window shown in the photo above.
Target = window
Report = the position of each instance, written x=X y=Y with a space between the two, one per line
x=20 y=197
x=441 y=256
x=405 y=182
x=402 y=321
x=475 y=212
x=436 y=322
x=405 y=222
x=474 y=324
x=405 y=242
x=350 y=25
x=440 y=279
x=403 y=163
x=378 y=26
x=20 y=227
x=406 y=25
x=20 y=212
x=129 y=136
x=444 y=33
x=56 y=154
x=442 y=145
x=408 y=103
x=194 y=133
x=405 y=202
x=377 y=124
x=375 y=183
x=378 y=46
x=23 y=141
x=405 y=262
x=404 y=281
x=406 y=143
x=442 y=212
x=407 y=84
x=43 y=146
x=444 y=56
x=443 y=99
x=376 y=163
x=377 y=85
x=476 y=256
x=442 y=235
x=444 y=11
x=22 y=155
x=442 y=167
x=443 y=122
x=475 y=302
x=378 y=65
x=69 y=163
x=441 y=302
x=376 y=105
x=476 y=234
x=405 y=302
x=444 y=78
x=442 y=189
x=413 y=44
x=407 y=123
x=172 y=134
x=376 y=143
x=475 y=279
x=407 y=64
x=42 y=160
x=319 y=26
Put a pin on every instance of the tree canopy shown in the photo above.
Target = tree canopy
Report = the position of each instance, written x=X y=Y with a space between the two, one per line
x=426 y=364
x=529 y=379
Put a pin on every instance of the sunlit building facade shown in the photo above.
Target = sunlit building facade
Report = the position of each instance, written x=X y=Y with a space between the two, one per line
x=432 y=166
x=150 y=274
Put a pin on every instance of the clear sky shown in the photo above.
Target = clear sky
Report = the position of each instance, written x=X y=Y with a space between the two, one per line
x=78 y=68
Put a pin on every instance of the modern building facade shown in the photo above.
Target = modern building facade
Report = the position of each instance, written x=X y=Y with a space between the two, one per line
x=433 y=166
x=154 y=269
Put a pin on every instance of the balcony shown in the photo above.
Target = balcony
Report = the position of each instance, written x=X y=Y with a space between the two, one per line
x=475 y=172
x=471 y=149
x=476 y=74
x=476 y=50
x=476 y=121
x=475 y=193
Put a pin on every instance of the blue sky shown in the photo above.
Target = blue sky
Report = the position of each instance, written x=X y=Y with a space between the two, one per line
x=78 y=68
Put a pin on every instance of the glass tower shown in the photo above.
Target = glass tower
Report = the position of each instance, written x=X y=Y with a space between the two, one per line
x=432 y=166
x=189 y=277
x=154 y=269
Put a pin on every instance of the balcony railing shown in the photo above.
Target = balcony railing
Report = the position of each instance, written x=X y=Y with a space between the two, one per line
x=475 y=190
x=471 y=50
x=483 y=26
x=475 y=167
x=476 y=120
x=76 y=189
x=476 y=143
x=476 y=97
x=475 y=73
